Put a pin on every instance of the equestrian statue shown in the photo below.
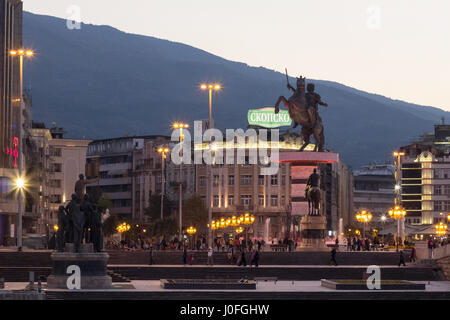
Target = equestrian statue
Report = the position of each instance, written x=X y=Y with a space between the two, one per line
x=303 y=110
x=313 y=193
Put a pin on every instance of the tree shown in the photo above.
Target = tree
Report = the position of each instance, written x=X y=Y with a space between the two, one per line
x=110 y=225
x=164 y=227
x=195 y=213
x=105 y=202
x=154 y=208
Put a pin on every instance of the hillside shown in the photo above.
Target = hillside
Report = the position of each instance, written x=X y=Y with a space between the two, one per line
x=99 y=82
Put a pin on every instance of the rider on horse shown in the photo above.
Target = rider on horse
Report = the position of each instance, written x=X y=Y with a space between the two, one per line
x=312 y=182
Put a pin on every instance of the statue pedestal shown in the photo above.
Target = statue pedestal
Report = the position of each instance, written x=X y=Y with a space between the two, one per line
x=313 y=233
x=92 y=268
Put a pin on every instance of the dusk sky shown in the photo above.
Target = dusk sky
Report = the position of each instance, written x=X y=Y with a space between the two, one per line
x=399 y=49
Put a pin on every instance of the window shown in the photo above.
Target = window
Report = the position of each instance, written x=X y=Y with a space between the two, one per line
x=261 y=219
x=246 y=180
x=231 y=180
x=261 y=200
x=437 y=190
x=446 y=189
x=274 y=200
x=202 y=181
x=283 y=201
x=55 y=198
x=274 y=180
x=56 y=167
x=283 y=180
x=231 y=200
x=216 y=201
x=261 y=180
x=216 y=180
x=246 y=199
x=55 y=183
x=55 y=152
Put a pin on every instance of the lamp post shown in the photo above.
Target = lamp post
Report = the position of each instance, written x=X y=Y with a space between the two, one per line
x=180 y=126
x=398 y=191
x=163 y=151
x=397 y=213
x=20 y=53
x=191 y=231
x=441 y=229
x=364 y=217
x=247 y=220
x=210 y=87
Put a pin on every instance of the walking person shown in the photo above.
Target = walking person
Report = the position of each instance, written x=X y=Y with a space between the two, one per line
x=402 y=259
x=242 y=260
x=210 y=256
x=151 y=254
x=333 y=256
x=255 y=258
x=184 y=255
x=413 y=254
x=430 y=248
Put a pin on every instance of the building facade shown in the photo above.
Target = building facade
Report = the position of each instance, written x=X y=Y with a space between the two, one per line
x=374 y=190
x=11 y=105
x=425 y=177
x=129 y=171
x=57 y=162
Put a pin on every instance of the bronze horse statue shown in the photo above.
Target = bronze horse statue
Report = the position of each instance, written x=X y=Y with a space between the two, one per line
x=297 y=106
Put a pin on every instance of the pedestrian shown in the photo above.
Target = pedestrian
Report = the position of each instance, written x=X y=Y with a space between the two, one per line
x=210 y=256
x=413 y=254
x=242 y=260
x=191 y=258
x=184 y=256
x=255 y=258
x=333 y=256
x=430 y=248
x=151 y=254
x=230 y=255
x=402 y=259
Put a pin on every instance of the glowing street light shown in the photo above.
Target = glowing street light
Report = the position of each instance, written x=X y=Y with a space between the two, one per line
x=180 y=126
x=20 y=53
x=210 y=87
x=163 y=150
x=364 y=217
x=397 y=213
x=441 y=229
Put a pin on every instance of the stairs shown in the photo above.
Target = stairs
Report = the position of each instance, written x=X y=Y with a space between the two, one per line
x=117 y=277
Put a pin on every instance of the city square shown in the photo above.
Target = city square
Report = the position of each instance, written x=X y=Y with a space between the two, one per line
x=137 y=168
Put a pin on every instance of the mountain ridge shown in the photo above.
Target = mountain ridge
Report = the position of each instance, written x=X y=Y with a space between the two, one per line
x=100 y=82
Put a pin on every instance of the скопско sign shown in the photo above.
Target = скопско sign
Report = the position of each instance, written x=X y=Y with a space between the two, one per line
x=267 y=118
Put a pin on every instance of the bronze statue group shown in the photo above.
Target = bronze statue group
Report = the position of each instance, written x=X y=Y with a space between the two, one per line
x=80 y=220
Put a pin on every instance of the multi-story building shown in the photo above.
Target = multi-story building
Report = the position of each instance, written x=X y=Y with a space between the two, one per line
x=374 y=190
x=11 y=105
x=239 y=188
x=128 y=170
x=57 y=162
x=425 y=177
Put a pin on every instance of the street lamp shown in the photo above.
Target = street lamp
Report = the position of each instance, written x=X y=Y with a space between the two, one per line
x=246 y=219
x=398 y=190
x=397 y=213
x=191 y=231
x=20 y=53
x=163 y=151
x=180 y=126
x=441 y=229
x=210 y=87
x=364 y=217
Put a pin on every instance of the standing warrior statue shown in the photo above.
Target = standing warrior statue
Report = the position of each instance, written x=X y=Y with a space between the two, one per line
x=302 y=109
x=80 y=186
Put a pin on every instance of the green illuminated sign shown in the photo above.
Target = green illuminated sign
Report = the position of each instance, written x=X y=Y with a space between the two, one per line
x=267 y=118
